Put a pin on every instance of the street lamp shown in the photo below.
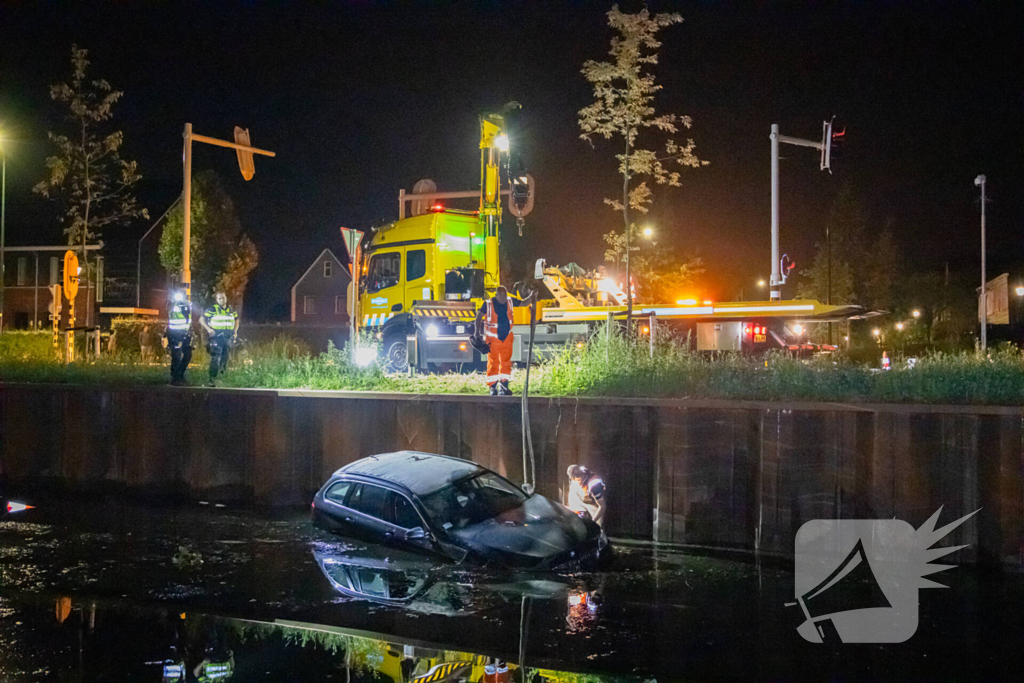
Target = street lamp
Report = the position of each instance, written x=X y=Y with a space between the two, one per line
x=899 y=326
x=877 y=332
x=648 y=233
x=917 y=314
x=1020 y=291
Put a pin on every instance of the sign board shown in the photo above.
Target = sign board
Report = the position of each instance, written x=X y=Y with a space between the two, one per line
x=352 y=240
x=245 y=162
x=997 y=300
x=70 y=274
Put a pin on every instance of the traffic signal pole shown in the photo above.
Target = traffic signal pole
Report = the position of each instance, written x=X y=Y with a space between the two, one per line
x=244 y=162
x=824 y=146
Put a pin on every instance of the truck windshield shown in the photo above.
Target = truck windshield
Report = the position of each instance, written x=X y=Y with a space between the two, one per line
x=472 y=500
x=383 y=271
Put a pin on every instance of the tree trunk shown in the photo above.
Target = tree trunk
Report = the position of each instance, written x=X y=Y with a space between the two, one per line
x=629 y=235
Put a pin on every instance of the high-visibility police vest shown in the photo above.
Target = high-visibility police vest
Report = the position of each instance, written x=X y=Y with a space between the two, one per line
x=491 y=318
x=177 y=320
x=220 y=319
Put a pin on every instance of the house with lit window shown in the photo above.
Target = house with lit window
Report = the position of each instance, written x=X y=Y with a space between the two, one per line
x=319 y=297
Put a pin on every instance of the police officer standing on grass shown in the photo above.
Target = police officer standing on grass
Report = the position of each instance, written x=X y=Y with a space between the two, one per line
x=179 y=337
x=221 y=324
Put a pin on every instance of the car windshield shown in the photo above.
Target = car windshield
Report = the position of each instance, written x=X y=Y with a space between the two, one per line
x=472 y=500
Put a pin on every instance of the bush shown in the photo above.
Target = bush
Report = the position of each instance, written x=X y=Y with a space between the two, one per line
x=16 y=345
x=606 y=365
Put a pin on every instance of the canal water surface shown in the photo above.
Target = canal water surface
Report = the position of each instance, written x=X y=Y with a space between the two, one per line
x=108 y=590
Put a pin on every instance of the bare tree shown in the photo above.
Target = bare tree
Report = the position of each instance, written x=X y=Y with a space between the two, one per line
x=623 y=107
x=87 y=174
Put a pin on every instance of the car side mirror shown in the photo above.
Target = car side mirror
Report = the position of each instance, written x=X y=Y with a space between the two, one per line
x=415 y=533
x=528 y=489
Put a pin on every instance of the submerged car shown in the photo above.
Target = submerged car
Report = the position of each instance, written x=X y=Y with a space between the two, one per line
x=456 y=509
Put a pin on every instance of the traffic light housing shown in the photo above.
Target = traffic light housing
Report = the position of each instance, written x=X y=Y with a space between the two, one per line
x=833 y=134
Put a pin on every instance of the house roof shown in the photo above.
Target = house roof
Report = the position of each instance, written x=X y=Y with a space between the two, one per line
x=341 y=266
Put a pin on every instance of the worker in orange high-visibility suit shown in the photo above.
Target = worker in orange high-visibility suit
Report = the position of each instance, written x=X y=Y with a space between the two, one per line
x=496 y=317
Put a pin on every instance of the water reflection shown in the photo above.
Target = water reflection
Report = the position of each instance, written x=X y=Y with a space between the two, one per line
x=85 y=639
x=414 y=582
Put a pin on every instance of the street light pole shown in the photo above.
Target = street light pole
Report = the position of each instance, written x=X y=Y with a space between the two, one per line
x=138 y=261
x=980 y=181
x=3 y=234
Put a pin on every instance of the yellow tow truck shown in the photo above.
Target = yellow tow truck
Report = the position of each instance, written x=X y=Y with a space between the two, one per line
x=423 y=278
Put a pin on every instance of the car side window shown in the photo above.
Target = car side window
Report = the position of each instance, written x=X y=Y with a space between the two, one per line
x=369 y=500
x=403 y=514
x=336 y=494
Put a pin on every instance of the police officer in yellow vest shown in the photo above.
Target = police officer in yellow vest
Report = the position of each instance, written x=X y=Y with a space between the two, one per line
x=179 y=337
x=221 y=324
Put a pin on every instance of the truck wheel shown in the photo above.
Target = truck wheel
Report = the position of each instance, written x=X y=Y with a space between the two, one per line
x=396 y=354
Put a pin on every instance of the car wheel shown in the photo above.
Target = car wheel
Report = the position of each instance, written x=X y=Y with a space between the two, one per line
x=396 y=354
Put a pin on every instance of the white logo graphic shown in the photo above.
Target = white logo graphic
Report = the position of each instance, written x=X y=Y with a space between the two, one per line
x=857 y=579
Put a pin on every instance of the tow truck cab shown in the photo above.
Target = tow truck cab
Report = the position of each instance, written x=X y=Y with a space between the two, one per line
x=421 y=259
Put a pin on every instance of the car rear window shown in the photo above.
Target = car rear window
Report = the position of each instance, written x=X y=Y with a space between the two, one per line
x=336 y=494
x=370 y=500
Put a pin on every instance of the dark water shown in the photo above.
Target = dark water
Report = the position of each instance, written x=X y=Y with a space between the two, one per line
x=93 y=590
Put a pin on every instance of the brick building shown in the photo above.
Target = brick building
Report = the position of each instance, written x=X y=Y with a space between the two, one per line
x=28 y=274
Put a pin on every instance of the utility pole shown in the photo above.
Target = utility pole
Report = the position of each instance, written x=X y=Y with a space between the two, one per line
x=980 y=181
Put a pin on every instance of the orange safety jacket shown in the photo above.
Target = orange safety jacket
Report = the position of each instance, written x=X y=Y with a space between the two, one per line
x=491 y=319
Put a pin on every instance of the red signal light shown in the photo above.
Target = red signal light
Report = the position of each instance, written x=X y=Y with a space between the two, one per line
x=747 y=330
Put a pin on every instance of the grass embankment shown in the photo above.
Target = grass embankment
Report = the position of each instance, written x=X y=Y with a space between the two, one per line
x=602 y=367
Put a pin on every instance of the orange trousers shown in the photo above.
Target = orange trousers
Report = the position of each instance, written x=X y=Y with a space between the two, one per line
x=499 y=360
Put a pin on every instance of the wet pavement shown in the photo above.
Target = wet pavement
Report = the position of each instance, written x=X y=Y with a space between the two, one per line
x=115 y=591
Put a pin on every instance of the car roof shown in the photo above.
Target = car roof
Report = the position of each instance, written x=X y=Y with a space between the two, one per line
x=421 y=473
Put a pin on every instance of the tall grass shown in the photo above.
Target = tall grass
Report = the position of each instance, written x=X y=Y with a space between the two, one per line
x=606 y=365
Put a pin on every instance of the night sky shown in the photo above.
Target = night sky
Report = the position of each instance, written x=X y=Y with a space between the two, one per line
x=361 y=99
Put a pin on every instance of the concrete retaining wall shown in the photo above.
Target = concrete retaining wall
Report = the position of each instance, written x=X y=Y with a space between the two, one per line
x=717 y=473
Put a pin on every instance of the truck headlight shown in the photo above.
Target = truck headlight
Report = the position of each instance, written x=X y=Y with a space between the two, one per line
x=431 y=331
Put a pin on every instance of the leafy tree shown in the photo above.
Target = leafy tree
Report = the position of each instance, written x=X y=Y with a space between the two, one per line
x=623 y=107
x=814 y=282
x=221 y=255
x=94 y=185
x=885 y=273
x=661 y=271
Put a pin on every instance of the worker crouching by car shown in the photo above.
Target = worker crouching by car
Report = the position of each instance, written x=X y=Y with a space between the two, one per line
x=586 y=493
x=221 y=324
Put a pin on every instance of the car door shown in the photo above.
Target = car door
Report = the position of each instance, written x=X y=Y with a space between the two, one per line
x=367 y=504
x=403 y=518
x=335 y=514
x=418 y=285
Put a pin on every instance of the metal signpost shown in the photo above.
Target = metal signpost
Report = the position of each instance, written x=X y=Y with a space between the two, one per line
x=70 y=291
x=245 y=164
x=55 y=309
x=353 y=240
